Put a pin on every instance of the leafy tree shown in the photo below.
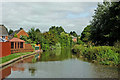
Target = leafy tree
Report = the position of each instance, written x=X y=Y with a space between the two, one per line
x=55 y=35
x=85 y=35
x=37 y=30
x=15 y=35
x=105 y=24
x=21 y=28
x=10 y=31
x=73 y=33
x=32 y=34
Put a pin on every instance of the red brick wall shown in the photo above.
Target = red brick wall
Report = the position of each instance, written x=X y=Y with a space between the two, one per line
x=28 y=48
x=23 y=33
x=5 y=49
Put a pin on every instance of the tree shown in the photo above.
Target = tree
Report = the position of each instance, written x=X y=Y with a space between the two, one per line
x=85 y=35
x=15 y=35
x=105 y=24
x=10 y=31
x=21 y=28
x=73 y=33
x=32 y=34
x=37 y=30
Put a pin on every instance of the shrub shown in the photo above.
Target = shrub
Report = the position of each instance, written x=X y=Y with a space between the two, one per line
x=103 y=54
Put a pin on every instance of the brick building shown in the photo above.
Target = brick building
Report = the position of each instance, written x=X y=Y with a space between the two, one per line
x=19 y=33
x=5 y=47
x=3 y=33
x=18 y=45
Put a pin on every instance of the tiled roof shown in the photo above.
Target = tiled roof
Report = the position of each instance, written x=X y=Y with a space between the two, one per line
x=16 y=40
x=3 y=31
x=14 y=32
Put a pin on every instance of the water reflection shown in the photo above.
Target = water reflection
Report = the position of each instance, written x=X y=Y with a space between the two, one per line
x=5 y=72
x=56 y=55
x=32 y=71
x=59 y=64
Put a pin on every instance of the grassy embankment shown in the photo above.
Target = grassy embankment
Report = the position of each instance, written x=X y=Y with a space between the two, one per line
x=106 y=55
x=12 y=56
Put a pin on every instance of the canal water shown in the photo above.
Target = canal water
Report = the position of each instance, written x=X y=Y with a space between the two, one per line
x=58 y=64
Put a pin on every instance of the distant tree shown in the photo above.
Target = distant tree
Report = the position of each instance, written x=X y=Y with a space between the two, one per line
x=21 y=28
x=60 y=29
x=85 y=35
x=10 y=31
x=56 y=30
x=37 y=30
x=15 y=35
x=73 y=33
x=32 y=34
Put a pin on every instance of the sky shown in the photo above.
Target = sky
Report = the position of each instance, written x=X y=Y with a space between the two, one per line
x=72 y=16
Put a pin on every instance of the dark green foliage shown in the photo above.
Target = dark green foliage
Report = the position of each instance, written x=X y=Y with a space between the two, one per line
x=104 y=28
x=105 y=25
x=73 y=33
x=79 y=41
x=48 y=39
x=21 y=28
x=25 y=38
x=10 y=31
x=37 y=30
x=102 y=54
x=85 y=35
x=56 y=30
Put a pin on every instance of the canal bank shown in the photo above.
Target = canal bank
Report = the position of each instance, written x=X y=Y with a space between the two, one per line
x=18 y=58
x=59 y=64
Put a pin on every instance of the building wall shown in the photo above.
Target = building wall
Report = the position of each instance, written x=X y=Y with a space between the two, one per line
x=28 y=48
x=23 y=33
x=6 y=37
x=5 y=49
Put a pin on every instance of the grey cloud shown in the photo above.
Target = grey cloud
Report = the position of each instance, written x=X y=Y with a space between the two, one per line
x=43 y=15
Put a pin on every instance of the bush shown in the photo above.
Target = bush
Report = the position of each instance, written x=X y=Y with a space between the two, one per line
x=106 y=55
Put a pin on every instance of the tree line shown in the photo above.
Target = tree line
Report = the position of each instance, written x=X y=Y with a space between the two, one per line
x=56 y=35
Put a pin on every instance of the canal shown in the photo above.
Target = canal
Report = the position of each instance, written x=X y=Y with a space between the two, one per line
x=58 y=64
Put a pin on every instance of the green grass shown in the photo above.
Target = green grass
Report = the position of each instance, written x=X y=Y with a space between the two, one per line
x=12 y=56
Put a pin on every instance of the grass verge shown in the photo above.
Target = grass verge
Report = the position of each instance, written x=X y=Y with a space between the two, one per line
x=12 y=56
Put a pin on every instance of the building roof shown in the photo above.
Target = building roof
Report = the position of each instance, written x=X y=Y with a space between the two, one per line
x=3 y=31
x=14 y=32
x=16 y=40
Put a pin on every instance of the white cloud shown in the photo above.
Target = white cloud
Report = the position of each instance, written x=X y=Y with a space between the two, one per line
x=43 y=15
x=55 y=0
x=0 y=13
